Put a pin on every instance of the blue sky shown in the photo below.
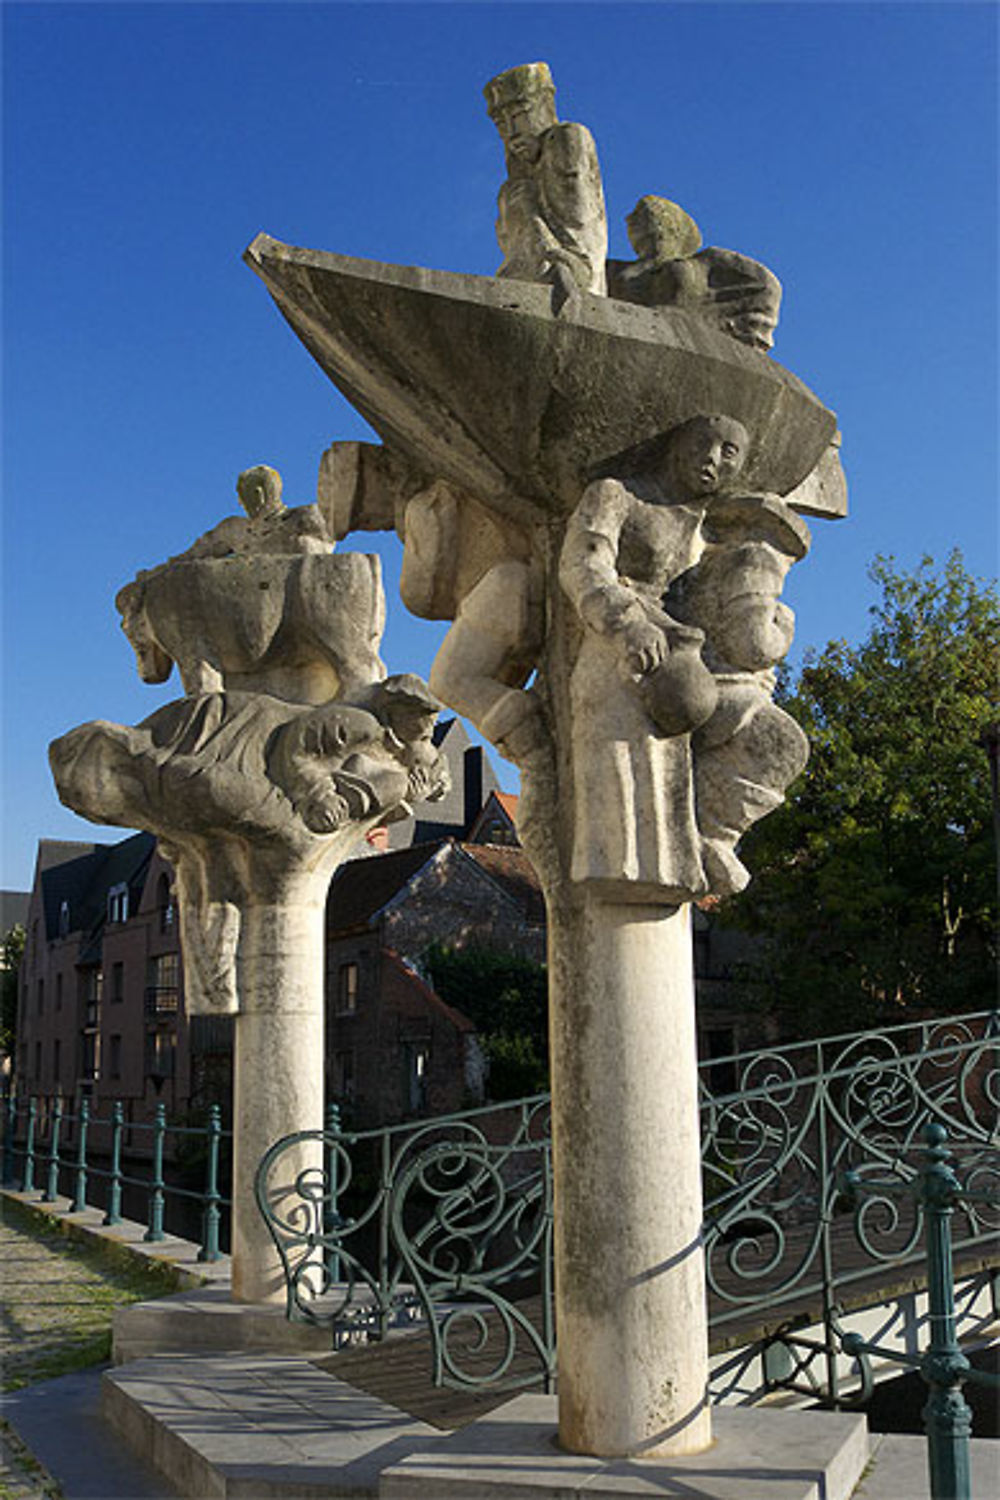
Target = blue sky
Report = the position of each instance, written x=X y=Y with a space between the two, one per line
x=851 y=147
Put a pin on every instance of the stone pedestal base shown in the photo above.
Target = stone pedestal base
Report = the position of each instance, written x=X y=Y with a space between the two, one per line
x=512 y=1453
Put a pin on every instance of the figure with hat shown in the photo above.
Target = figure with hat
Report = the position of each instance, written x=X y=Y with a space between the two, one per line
x=551 y=222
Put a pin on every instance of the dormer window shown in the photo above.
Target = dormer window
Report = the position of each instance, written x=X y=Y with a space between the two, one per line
x=118 y=903
x=64 y=919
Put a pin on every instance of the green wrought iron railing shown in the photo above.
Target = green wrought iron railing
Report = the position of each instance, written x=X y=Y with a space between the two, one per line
x=100 y=1159
x=448 y=1221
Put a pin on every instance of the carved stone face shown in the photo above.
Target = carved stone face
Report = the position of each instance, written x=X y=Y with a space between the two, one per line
x=259 y=490
x=522 y=121
x=660 y=230
x=707 y=454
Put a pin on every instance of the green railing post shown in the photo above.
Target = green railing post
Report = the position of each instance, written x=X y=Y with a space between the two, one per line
x=385 y=1187
x=947 y=1418
x=28 y=1185
x=331 y=1216
x=10 y=1129
x=210 y=1221
x=52 y=1180
x=80 y=1183
x=155 y=1230
x=114 y=1213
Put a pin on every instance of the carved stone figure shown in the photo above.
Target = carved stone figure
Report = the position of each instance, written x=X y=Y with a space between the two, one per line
x=748 y=750
x=736 y=294
x=638 y=684
x=248 y=606
x=552 y=224
x=462 y=562
x=290 y=746
x=611 y=559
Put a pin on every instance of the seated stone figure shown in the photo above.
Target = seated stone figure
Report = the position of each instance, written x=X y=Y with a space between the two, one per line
x=552 y=225
x=248 y=605
x=748 y=750
x=734 y=293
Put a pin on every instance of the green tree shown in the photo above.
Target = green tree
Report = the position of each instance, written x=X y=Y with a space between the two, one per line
x=874 y=889
x=506 y=998
x=11 y=953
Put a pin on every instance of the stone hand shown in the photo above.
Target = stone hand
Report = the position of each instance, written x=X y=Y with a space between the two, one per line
x=645 y=647
x=324 y=811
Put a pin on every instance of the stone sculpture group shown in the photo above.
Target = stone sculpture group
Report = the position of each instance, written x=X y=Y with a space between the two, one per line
x=599 y=477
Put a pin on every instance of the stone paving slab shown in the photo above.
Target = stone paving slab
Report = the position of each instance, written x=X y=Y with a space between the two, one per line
x=236 y=1425
x=758 y=1454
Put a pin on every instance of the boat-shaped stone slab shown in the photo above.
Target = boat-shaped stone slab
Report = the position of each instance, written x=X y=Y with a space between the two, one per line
x=479 y=381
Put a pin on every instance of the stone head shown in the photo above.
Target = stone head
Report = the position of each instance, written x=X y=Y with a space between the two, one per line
x=705 y=455
x=259 y=490
x=521 y=104
x=407 y=706
x=660 y=230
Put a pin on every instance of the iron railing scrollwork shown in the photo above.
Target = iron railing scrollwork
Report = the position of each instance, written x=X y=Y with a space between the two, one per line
x=450 y=1220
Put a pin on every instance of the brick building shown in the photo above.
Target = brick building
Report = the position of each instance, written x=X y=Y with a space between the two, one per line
x=101 y=993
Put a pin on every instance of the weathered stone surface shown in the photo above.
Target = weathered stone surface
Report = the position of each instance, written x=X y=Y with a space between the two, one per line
x=551 y=222
x=616 y=622
x=474 y=380
x=290 y=746
x=730 y=291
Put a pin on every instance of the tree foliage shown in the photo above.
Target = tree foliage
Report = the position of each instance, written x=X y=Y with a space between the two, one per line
x=506 y=998
x=874 y=890
x=11 y=954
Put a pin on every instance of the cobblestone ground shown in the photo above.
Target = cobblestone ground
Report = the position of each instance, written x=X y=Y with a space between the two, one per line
x=58 y=1302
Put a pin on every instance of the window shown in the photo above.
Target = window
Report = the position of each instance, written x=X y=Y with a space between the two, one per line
x=162 y=992
x=165 y=904
x=64 y=919
x=91 y=990
x=90 y=1056
x=118 y=903
x=347 y=989
x=41 y=996
x=417 y=1056
x=56 y=1061
x=160 y=1051
x=117 y=983
x=38 y=1062
x=114 y=1056
x=59 y=991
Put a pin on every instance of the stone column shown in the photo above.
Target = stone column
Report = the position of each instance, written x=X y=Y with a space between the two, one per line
x=278 y=1069
x=630 y=1292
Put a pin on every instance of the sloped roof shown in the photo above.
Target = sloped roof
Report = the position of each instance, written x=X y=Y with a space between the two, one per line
x=13 y=910
x=361 y=887
x=512 y=870
x=84 y=884
x=424 y=996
